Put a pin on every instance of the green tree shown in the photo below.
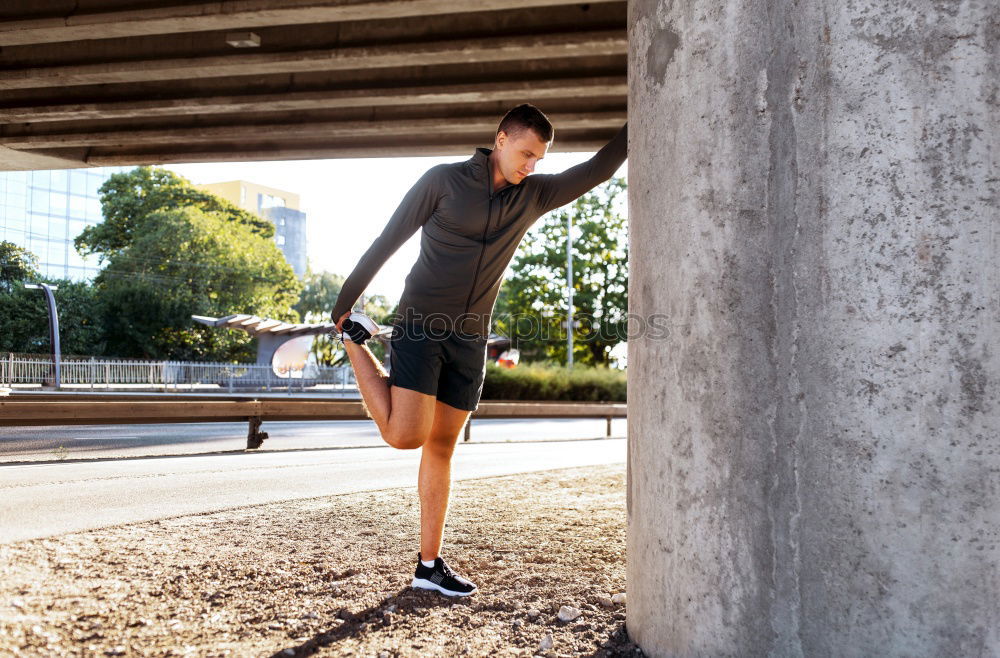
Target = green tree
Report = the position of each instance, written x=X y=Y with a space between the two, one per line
x=186 y=261
x=24 y=320
x=319 y=294
x=383 y=312
x=128 y=199
x=532 y=305
x=17 y=265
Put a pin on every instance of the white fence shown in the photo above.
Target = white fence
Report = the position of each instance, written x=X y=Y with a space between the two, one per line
x=33 y=369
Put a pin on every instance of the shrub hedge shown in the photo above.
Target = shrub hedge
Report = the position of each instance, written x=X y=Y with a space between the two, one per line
x=541 y=381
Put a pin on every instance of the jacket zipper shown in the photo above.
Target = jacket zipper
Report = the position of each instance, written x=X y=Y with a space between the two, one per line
x=482 y=251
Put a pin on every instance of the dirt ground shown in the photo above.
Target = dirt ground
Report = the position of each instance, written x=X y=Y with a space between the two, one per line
x=330 y=577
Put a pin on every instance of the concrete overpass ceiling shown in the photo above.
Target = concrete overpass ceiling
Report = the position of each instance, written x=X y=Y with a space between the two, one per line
x=114 y=82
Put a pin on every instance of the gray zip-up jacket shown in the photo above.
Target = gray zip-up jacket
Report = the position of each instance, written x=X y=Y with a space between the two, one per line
x=470 y=234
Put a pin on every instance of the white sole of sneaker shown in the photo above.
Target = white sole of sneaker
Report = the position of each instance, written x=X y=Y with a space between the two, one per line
x=420 y=583
x=365 y=322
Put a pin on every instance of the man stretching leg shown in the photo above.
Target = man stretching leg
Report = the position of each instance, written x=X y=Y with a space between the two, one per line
x=472 y=216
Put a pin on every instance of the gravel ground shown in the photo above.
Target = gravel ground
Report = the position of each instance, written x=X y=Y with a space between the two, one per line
x=330 y=577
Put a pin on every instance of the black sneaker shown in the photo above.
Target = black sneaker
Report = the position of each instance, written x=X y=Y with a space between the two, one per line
x=358 y=328
x=441 y=578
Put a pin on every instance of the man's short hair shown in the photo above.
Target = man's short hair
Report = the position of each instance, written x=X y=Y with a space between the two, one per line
x=526 y=117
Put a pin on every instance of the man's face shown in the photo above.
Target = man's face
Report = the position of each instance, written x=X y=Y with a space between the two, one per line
x=518 y=156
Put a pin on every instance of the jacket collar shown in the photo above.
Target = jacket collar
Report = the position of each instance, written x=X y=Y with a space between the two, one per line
x=480 y=163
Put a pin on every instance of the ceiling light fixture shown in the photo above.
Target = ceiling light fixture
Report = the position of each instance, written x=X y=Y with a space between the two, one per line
x=243 y=40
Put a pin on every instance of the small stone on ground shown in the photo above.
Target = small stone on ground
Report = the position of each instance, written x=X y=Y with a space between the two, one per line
x=568 y=613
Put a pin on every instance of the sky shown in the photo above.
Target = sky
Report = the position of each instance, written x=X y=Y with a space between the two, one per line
x=348 y=202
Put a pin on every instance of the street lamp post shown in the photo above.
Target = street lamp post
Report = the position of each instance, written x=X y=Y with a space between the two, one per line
x=50 y=301
x=569 y=282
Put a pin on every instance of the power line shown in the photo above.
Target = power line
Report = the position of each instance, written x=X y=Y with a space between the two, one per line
x=138 y=259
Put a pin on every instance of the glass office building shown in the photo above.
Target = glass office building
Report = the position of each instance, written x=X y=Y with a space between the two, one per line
x=43 y=211
x=289 y=234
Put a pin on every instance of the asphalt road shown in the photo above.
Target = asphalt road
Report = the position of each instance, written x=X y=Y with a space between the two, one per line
x=49 y=498
x=52 y=443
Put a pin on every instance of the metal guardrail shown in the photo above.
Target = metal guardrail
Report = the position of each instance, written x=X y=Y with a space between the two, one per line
x=165 y=375
x=111 y=409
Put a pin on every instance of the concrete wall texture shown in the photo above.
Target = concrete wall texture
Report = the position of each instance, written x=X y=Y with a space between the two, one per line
x=814 y=423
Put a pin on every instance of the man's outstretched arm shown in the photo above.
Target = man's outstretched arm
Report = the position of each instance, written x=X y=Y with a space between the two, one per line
x=559 y=189
x=414 y=210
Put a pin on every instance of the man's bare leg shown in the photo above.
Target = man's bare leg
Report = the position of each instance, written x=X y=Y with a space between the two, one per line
x=373 y=382
x=404 y=417
x=434 y=481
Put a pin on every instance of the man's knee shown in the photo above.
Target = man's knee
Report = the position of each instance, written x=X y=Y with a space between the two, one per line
x=440 y=447
x=404 y=439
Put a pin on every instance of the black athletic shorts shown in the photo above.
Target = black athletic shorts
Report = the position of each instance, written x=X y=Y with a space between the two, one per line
x=446 y=364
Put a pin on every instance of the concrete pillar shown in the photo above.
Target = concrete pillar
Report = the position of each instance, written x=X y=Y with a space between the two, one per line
x=814 y=363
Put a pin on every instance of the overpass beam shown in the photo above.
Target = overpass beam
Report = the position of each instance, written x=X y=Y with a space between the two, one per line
x=431 y=96
x=430 y=53
x=80 y=24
